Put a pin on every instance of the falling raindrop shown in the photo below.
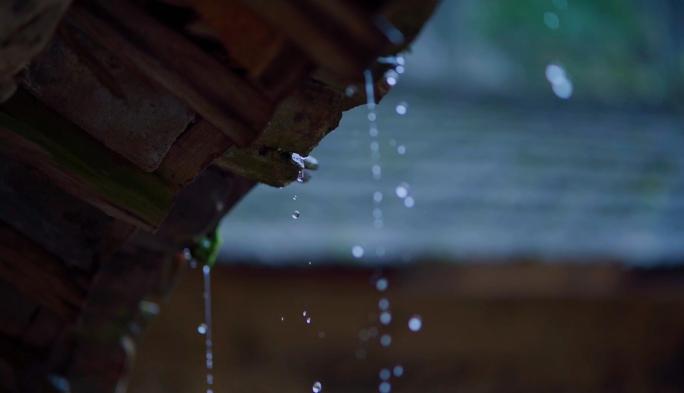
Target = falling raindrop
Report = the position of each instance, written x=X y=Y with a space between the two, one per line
x=385 y=387
x=304 y=313
x=383 y=304
x=401 y=190
x=409 y=202
x=385 y=318
x=377 y=197
x=401 y=150
x=308 y=320
x=385 y=340
x=415 y=323
x=381 y=284
x=208 y=340
x=294 y=197
x=401 y=108
x=384 y=374
x=295 y=214
x=560 y=83
x=317 y=387
x=398 y=371
x=357 y=251
x=377 y=171
x=551 y=20
x=202 y=328
x=351 y=90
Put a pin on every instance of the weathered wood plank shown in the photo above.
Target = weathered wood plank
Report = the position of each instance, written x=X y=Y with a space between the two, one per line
x=33 y=134
x=107 y=98
x=62 y=224
x=344 y=42
x=39 y=275
x=277 y=66
x=193 y=151
x=222 y=98
x=25 y=28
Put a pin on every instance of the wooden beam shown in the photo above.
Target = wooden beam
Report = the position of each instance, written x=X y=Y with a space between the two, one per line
x=194 y=150
x=39 y=275
x=226 y=100
x=335 y=35
x=33 y=134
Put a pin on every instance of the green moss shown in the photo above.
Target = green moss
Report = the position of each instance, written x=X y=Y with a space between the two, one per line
x=72 y=151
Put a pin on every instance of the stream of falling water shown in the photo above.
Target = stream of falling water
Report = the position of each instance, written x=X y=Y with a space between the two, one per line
x=208 y=343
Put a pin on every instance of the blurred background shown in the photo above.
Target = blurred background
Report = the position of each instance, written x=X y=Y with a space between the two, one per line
x=529 y=215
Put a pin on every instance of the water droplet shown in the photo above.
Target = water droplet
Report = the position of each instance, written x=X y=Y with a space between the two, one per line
x=377 y=197
x=372 y=117
x=398 y=371
x=373 y=131
x=415 y=323
x=384 y=374
x=357 y=251
x=401 y=150
x=308 y=320
x=294 y=197
x=399 y=69
x=377 y=171
x=401 y=190
x=401 y=108
x=311 y=162
x=297 y=159
x=385 y=387
x=391 y=80
x=383 y=304
x=385 y=318
x=385 y=340
x=202 y=328
x=377 y=213
x=351 y=90
x=381 y=284
x=409 y=202
x=374 y=146
x=551 y=20
x=317 y=387
x=560 y=84
x=304 y=313
x=282 y=319
x=295 y=214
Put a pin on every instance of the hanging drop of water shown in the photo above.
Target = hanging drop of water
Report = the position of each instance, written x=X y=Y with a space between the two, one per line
x=295 y=214
x=381 y=284
x=401 y=108
x=317 y=387
x=398 y=371
x=384 y=374
x=415 y=323
x=357 y=251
